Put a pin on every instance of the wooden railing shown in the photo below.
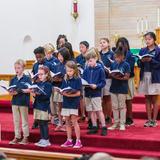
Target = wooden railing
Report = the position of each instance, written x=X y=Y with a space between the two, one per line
x=20 y=154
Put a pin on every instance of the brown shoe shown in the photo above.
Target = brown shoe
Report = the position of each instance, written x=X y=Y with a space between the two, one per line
x=24 y=141
x=15 y=141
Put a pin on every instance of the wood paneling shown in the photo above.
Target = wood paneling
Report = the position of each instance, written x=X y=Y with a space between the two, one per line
x=120 y=16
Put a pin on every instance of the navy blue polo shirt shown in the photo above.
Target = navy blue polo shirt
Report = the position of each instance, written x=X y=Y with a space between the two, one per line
x=37 y=65
x=72 y=102
x=120 y=86
x=81 y=60
x=42 y=102
x=21 y=99
x=105 y=57
x=60 y=67
x=53 y=60
x=94 y=75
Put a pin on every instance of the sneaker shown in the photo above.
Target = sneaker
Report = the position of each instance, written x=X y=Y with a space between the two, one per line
x=15 y=141
x=94 y=130
x=68 y=143
x=108 y=120
x=153 y=124
x=40 y=141
x=147 y=123
x=104 y=131
x=122 y=127
x=78 y=144
x=44 y=143
x=129 y=122
x=24 y=141
x=114 y=126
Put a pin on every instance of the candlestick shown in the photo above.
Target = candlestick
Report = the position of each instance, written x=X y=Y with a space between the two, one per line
x=142 y=26
x=158 y=17
x=146 y=24
x=138 y=26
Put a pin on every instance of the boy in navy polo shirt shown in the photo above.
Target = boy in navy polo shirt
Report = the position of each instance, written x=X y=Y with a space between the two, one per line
x=49 y=51
x=119 y=90
x=41 y=61
x=94 y=74
x=20 y=103
x=40 y=57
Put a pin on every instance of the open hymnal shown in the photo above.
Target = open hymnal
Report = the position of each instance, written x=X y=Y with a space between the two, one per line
x=144 y=56
x=9 y=88
x=115 y=72
x=67 y=89
x=58 y=74
x=35 y=88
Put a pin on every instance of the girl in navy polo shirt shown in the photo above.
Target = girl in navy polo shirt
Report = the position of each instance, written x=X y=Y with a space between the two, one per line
x=63 y=57
x=42 y=105
x=119 y=90
x=150 y=77
x=123 y=42
x=71 y=103
x=107 y=57
x=80 y=59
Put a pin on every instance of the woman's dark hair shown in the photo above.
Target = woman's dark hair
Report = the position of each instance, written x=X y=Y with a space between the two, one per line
x=39 y=50
x=124 y=43
x=120 y=51
x=59 y=37
x=69 y=47
x=85 y=43
x=151 y=34
x=65 y=54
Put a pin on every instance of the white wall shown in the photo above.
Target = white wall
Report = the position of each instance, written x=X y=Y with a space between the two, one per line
x=43 y=20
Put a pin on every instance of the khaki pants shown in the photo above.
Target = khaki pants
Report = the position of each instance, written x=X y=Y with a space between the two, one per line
x=119 y=107
x=20 y=112
x=53 y=106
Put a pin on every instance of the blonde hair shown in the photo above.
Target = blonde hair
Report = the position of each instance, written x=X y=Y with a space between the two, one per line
x=20 y=62
x=72 y=65
x=49 y=48
x=93 y=53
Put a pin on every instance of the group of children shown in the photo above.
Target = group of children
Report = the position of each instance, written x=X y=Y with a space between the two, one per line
x=104 y=94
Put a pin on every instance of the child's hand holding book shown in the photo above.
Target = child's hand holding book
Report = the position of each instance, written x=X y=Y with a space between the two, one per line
x=93 y=86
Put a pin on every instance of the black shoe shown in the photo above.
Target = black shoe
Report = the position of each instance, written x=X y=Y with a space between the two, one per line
x=35 y=125
x=104 y=131
x=129 y=122
x=94 y=130
x=108 y=120
x=89 y=124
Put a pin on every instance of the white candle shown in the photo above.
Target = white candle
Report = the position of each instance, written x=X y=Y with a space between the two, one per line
x=142 y=26
x=158 y=17
x=138 y=26
x=146 y=24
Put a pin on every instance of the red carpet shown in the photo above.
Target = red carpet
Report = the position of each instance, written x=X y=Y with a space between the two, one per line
x=135 y=142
